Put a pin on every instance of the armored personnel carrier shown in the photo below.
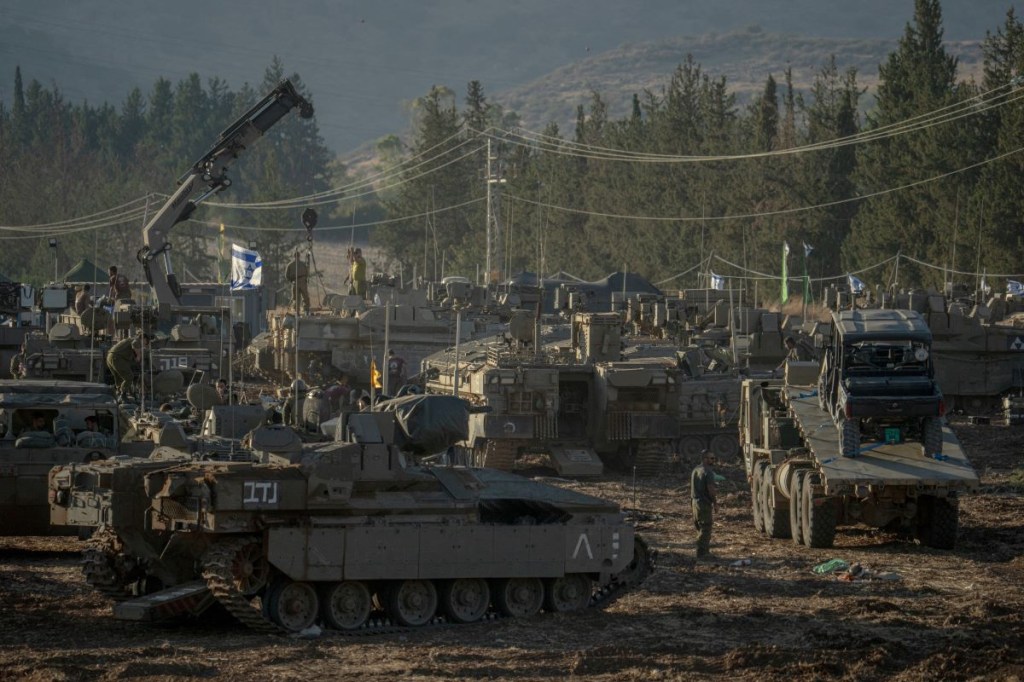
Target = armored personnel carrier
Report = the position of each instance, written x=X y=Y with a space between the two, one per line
x=352 y=534
x=575 y=401
x=45 y=424
x=875 y=383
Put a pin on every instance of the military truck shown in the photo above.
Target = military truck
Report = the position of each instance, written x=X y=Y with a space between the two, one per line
x=352 y=534
x=42 y=425
x=810 y=470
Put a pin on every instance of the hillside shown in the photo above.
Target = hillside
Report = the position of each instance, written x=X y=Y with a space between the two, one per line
x=745 y=58
x=365 y=62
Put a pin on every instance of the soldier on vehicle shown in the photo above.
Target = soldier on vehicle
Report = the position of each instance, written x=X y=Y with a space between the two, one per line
x=357 y=273
x=225 y=396
x=396 y=372
x=122 y=357
x=120 y=290
x=703 y=501
x=298 y=275
x=339 y=393
x=83 y=299
x=793 y=352
x=38 y=423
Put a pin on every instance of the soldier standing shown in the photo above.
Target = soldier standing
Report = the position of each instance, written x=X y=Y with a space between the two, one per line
x=396 y=372
x=83 y=299
x=298 y=274
x=358 y=273
x=703 y=501
x=120 y=290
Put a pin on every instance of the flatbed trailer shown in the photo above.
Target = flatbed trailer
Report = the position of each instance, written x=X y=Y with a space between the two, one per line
x=802 y=487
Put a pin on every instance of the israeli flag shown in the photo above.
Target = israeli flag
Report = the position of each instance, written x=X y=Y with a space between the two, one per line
x=808 y=250
x=1014 y=288
x=717 y=282
x=246 y=268
x=856 y=286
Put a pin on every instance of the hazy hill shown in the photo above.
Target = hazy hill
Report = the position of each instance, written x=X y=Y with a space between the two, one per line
x=364 y=61
x=745 y=58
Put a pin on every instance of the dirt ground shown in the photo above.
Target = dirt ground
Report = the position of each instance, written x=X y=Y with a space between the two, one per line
x=945 y=615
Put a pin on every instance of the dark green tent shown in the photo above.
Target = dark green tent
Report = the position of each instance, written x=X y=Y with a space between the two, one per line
x=85 y=271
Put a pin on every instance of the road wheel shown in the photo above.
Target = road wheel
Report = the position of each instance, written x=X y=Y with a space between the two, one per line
x=346 y=605
x=292 y=605
x=568 y=593
x=518 y=597
x=849 y=438
x=796 y=500
x=931 y=436
x=938 y=521
x=412 y=602
x=725 y=446
x=756 y=503
x=818 y=514
x=465 y=600
x=690 y=447
x=776 y=520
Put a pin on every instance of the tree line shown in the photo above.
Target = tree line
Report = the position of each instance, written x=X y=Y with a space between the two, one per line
x=570 y=204
x=65 y=165
x=687 y=174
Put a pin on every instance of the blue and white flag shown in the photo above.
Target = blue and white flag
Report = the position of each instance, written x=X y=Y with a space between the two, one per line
x=856 y=286
x=246 y=268
x=808 y=250
x=1014 y=288
x=717 y=282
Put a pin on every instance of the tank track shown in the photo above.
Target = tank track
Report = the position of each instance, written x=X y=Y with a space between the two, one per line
x=217 y=572
x=102 y=565
x=651 y=458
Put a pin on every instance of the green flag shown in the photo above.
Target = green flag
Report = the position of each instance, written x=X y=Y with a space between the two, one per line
x=785 y=274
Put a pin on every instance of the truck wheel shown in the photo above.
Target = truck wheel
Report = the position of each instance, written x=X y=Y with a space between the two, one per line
x=938 y=521
x=849 y=438
x=796 y=501
x=931 y=436
x=818 y=514
x=755 y=494
x=776 y=521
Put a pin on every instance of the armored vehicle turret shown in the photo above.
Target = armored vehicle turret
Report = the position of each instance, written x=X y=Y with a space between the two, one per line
x=352 y=534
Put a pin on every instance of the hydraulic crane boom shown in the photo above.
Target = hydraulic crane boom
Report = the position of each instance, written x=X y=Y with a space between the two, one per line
x=208 y=175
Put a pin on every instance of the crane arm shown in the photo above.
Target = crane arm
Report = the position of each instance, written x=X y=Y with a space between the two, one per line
x=208 y=175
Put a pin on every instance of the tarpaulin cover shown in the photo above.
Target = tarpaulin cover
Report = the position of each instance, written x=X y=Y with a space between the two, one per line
x=429 y=423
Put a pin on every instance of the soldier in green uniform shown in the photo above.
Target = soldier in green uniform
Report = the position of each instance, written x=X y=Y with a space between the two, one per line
x=703 y=502
x=121 y=358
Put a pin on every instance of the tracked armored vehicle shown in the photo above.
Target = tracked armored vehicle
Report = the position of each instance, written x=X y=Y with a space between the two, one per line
x=353 y=534
x=43 y=424
x=575 y=401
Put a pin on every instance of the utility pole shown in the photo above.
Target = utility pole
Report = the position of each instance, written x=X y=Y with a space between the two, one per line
x=493 y=179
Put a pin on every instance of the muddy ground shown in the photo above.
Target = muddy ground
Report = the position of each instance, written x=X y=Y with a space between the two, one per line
x=947 y=615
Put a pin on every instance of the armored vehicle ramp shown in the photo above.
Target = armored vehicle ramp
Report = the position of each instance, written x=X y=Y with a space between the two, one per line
x=877 y=464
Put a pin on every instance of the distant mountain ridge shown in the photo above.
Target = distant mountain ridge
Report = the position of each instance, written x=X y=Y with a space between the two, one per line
x=745 y=58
